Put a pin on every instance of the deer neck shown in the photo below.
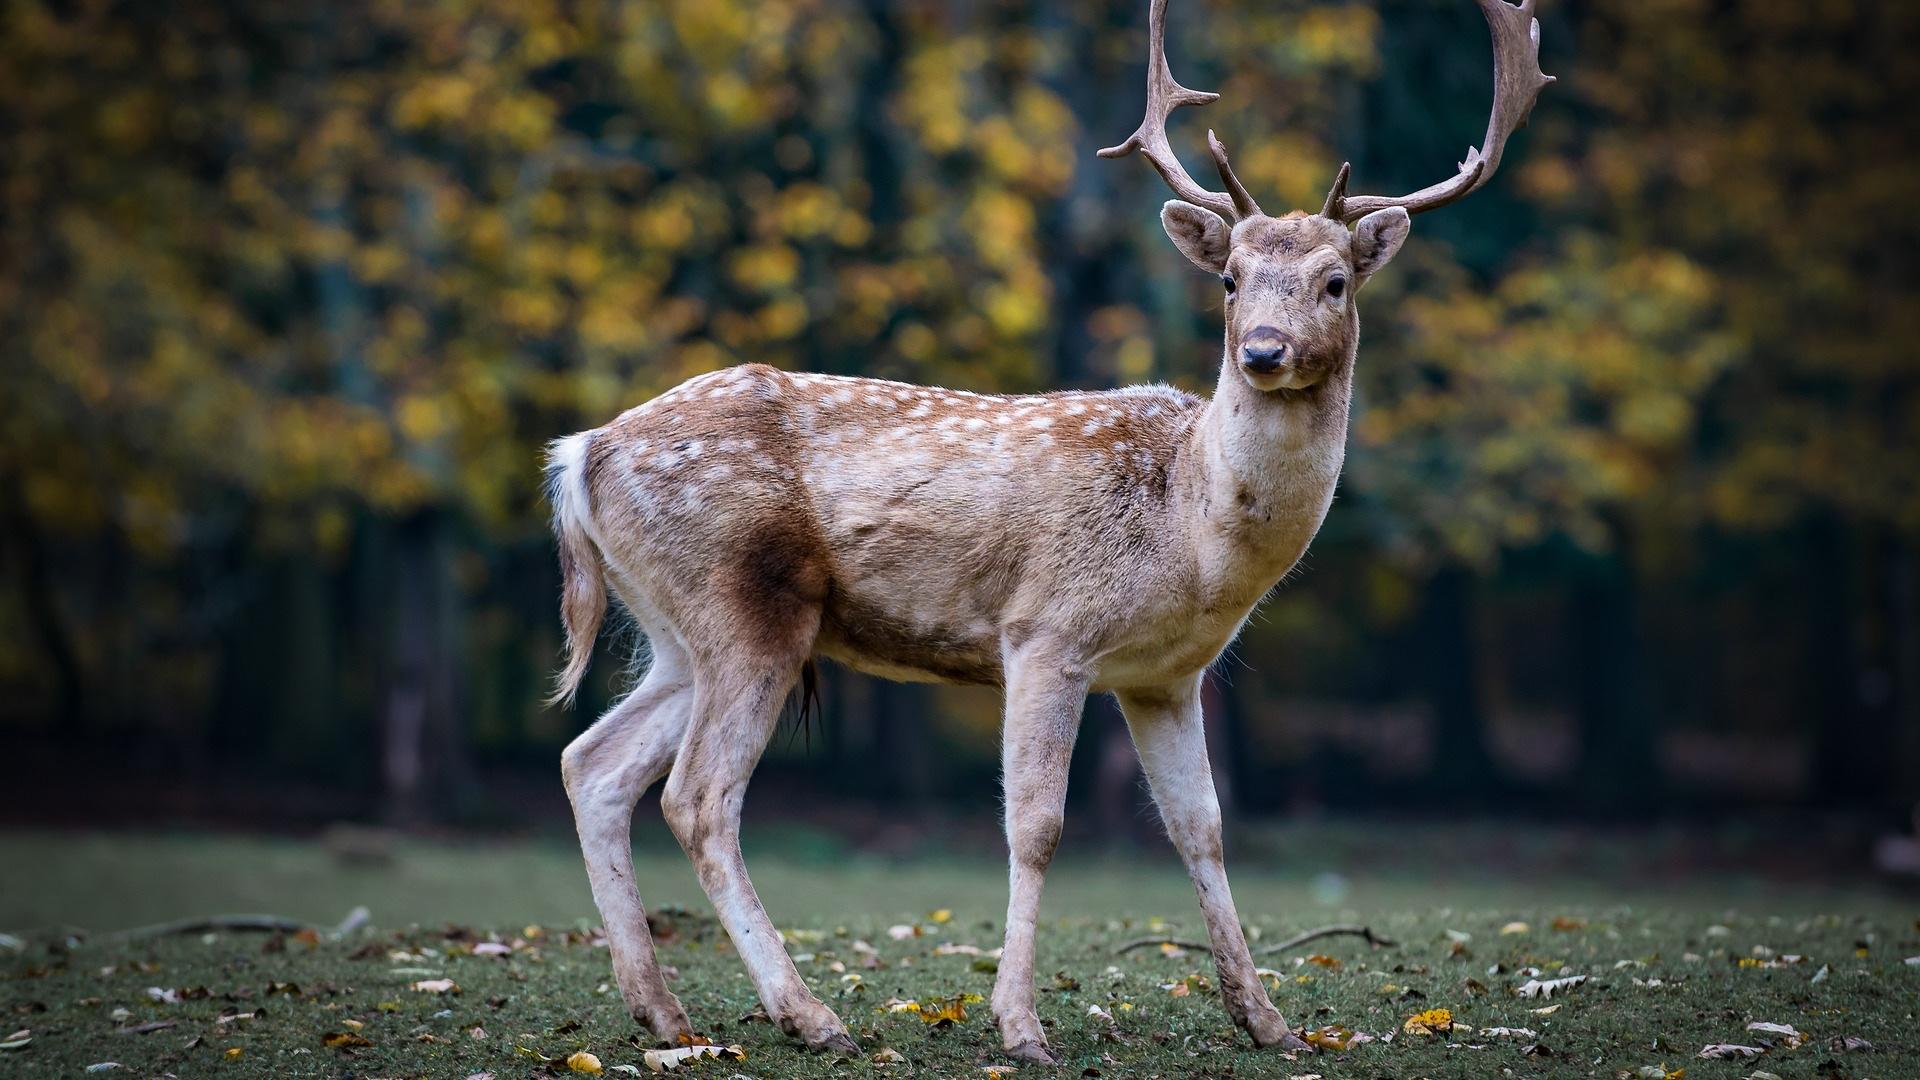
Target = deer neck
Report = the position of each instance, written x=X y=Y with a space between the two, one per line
x=1265 y=468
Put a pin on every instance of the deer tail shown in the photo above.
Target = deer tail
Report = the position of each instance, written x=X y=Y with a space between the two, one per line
x=583 y=583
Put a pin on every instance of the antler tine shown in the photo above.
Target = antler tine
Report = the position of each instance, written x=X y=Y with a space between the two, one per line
x=1163 y=96
x=1517 y=82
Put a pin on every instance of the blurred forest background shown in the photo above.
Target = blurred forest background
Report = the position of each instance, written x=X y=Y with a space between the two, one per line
x=291 y=295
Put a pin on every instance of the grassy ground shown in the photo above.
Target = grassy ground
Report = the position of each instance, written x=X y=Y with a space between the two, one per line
x=1669 y=971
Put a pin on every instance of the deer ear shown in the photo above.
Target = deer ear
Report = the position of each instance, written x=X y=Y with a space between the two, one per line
x=1377 y=237
x=1199 y=233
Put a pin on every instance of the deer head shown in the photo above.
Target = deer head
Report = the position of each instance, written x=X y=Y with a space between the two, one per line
x=1290 y=280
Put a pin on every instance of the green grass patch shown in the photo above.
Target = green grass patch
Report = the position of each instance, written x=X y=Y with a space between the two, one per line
x=1663 y=978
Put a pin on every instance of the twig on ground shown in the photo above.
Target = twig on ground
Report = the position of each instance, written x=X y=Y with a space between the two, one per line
x=1293 y=942
x=1141 y=943
x=355 y=919
x=1337 y=930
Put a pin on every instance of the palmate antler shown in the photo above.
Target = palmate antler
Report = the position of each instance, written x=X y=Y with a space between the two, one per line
x=1517 y=82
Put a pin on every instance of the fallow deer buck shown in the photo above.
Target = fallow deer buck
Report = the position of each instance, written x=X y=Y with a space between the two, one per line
x=752 y=520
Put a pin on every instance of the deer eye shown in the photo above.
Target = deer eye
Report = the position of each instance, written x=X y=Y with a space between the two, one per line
x=1336 y=286
x=1227 y=280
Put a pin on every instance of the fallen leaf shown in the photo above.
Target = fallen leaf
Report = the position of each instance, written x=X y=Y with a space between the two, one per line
x=233 y=1053
x=1546 y=1010
x=146 y=1028
x=902 y=932
x=888 y=1056
x=1328 y=1037
x=668 y=1060
x=1509 y=1033
x=1547 y=988
x=1849 y=1044
x=1730 y=1050
x=999 y=1072
x=104 y=1066
x=492 y=948
x=1567 y=922
x=342 y=1040
x=941 y=916
x=1430 y=1022
x=582 y=1062
x=1324 y=961
x=18 y=1040
x=1515 y=927
x=948 y=1011
x=435 y=986
x=1788 y=1036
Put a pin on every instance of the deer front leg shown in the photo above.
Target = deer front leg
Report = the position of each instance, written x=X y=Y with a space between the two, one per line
x=1170 y=735
x=1045 y=694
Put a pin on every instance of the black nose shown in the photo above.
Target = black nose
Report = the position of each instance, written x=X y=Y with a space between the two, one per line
x=1264 y=351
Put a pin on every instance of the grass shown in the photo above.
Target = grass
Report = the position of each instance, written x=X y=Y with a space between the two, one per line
x=1669 y=970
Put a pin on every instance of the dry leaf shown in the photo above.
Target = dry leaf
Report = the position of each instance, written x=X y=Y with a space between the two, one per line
x=1329 y=1037
x=1547 y=988
x=951 y=1010
x=582 y=1062
x=1430 y=1022
x=1729 y=1050
x=888 y=1056
x=1789 y=1037
x=1515 y=927
x=342 y=1040
x=668 y=1060
x=1546 y=1010
x=18 y=1040
x=1509 y=1033
x=435 y=986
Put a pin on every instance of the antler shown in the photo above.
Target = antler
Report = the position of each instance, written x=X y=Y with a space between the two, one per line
x=1163 y=96
x=1517 y=82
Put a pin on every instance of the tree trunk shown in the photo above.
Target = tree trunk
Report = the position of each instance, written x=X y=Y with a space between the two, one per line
x=1448 y=640
x=1619 y=767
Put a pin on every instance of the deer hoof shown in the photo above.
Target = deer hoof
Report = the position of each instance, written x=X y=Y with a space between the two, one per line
x=1033 y=1053
x=1269 y=1029
x=838 y=1042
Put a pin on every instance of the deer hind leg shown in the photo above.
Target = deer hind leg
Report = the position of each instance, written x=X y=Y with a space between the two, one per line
x=1045 y=697
x=1169 y=733
x=737 y=706
x=606 y=770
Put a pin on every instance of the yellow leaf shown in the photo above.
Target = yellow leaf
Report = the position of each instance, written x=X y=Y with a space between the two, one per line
x=1515 y=927
x=943 y=915
x=1430 y=1022
x=233 y=1053
x=1329 y=1037
x=582 y=1062
x=342 y=1040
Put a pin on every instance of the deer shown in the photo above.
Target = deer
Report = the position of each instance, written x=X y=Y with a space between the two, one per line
x=753 y=521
